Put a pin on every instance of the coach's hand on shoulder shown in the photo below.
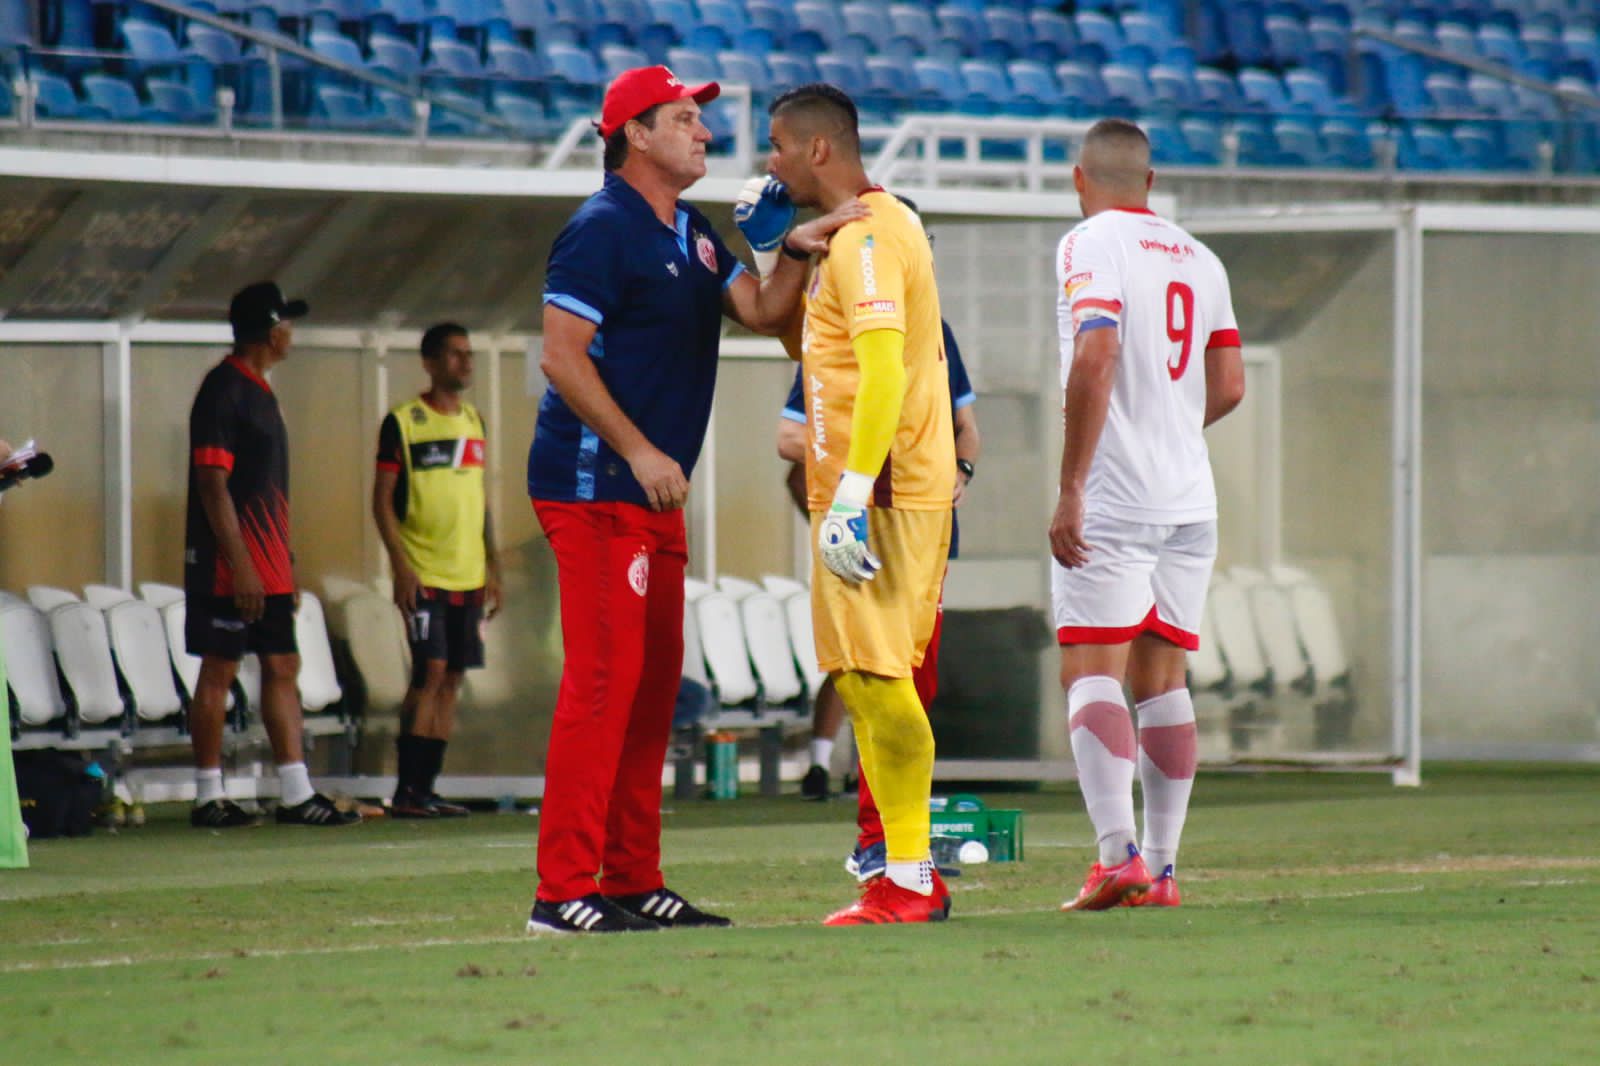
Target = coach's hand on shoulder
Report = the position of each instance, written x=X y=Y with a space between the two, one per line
x=812 y=237
x=842 y=536
x=1066 y=532
x=661 y=478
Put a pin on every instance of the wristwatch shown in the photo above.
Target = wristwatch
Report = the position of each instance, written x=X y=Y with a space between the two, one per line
x=966 y=467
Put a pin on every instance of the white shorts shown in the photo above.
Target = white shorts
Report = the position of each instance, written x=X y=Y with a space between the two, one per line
x=1140 y=578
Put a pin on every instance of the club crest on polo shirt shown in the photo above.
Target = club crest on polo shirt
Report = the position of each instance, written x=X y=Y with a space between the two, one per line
x=706 y=251
x=639 y=572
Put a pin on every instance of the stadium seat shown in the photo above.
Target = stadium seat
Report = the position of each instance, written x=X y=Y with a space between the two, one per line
x=1244 y=25
x=1347 y=143
x=1426 y=147
x=1055 y=38
x=210 y=44
x=1265 y=89
x=1139 y=28
x=339 y=108
x=771 y=652
x=15 y=23
x=694 y=654
x=940 y=82
x=1127 y=85
x=150 y=43
x=1032 y=80
x=1203 y=138
x=693 y=66
x=31 y=666
x=1501 y=45
x=177 y=100
x=1098 y=28
x=780 y=586
x=741 y=69
x=335 y=46
x=373 y=631
x=1477 y=148
x=1288 y=38
x=394 y=56
x=1217 y=91
x=1172 y=86
x=1297 y=142
x=847 y=73
x=1325 y=34
x=726 y=652
x=508 y=59
x=119 y=100
x=1006 y=35
x=790 y=70
x=1457 y=39
x=139 y=649
x=736 y=588
x=1309 y=91
x=797 y=609
x=453 y=59
x=987 y=88
x=614 y=59
x=1167 y=145
x=83 y=652
x=1250 y=677
x=319 y=682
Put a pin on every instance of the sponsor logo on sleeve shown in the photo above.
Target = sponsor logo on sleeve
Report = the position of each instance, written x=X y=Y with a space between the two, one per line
x=876 y=309
x=1078 y=281
x=869 y=273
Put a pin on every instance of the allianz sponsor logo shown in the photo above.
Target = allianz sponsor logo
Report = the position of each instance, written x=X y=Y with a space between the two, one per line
x=869 y=274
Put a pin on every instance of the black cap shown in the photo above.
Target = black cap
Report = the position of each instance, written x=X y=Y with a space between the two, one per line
x=257 y=308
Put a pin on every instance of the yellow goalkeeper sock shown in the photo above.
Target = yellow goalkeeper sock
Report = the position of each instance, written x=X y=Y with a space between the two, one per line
x=896 y=746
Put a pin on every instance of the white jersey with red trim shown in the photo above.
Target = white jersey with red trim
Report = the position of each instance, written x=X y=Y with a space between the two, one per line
x=1166 y=294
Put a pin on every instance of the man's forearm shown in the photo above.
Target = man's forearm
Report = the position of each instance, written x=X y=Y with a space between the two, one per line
x=1088 y=399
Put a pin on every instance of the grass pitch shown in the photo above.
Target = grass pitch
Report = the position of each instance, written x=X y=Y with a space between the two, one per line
x=1327 y=919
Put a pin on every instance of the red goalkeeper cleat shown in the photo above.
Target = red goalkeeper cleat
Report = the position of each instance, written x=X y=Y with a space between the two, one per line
x=886 y=903
x=1163 y=892
x=1108 y=886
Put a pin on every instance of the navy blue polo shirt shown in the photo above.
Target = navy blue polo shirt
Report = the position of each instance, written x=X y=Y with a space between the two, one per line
x=961 y=394
x=655 y=292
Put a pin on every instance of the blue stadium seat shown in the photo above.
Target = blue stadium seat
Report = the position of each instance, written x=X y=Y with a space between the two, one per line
x=1244 y=25
x=1502 y=46
x=339 y=108
x=1477 y=147
x=614 y=59
x=210 y=44
x=1288 y=38
x=1325 y=34
x=1006 y=35
x=150 y=43
x=1298 y=144
x=988 y=88
x=1217 y=90
x=1127 y=85
x=693 y=67
x=1456 y=39
x=1524 y=142
x=912 y=31
x=1181 y=55
x=1055 y=37
x=452 y=58
x=1095 y=27
x=1257 y=146
x=575 y=66
x=174 y=98
x=526 y=114
x=958 y=23
x=1309 y=91
x=508 y=59
x=1347 y=144
x=1492 y=95
x=846 y=72
x=1404 y=76
x=1264 y=88
x=1582 y=51
x=450 y=122
x=724 y=15
x=789 y=70
x=340 y=49
x=15 y=27
x=1140 y=28
x=1167 y=145
x=867 y=22
x=739 y=68
x=1425 y=147
x=891 y=83
x=940 y=81
x=1032 y=80
x=1447 y=95
x=397 y=18
x=817 y=27
x=394 y=56
x=118 y=99
x=1081 y=87
x=670 y=21
x=1203 y=138
x=1173 y=86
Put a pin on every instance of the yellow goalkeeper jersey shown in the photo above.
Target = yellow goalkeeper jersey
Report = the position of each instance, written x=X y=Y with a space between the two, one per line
x=878 y=274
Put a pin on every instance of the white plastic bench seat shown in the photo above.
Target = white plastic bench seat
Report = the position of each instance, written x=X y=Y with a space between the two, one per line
x=31 y=664
x=727 y=654
x=767 y=634
x=83 y=648
x=139 y=643
x=319 y=684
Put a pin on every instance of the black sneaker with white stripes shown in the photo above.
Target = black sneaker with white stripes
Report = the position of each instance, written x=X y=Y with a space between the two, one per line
x=318 y=810
x=589 y=914
x=667 y=909
x=220 y=814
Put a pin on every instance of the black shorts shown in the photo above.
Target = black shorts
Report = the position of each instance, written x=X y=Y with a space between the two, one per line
x=212 y=626
x=444 y=627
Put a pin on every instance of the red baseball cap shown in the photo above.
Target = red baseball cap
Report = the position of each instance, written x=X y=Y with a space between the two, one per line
x=636 y=91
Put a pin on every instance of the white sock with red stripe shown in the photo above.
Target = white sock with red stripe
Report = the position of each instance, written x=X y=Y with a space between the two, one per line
x=1167 y=756
x=1103 y=746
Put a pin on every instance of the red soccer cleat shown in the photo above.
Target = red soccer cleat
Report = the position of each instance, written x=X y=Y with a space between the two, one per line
x=1163 y=892
x=885 y=903
x=1108 y=886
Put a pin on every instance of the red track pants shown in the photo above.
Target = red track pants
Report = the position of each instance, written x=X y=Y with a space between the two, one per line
x=926 y=679
x=621 y=571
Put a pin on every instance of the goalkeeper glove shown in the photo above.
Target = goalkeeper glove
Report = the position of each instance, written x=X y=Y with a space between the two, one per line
x=842 y=537
x=764 y=213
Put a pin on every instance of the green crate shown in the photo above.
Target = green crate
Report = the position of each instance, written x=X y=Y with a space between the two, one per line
x=967 y=818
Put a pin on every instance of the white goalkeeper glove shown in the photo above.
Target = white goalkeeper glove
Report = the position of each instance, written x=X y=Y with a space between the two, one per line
x=842 y=537
x=764 y=213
